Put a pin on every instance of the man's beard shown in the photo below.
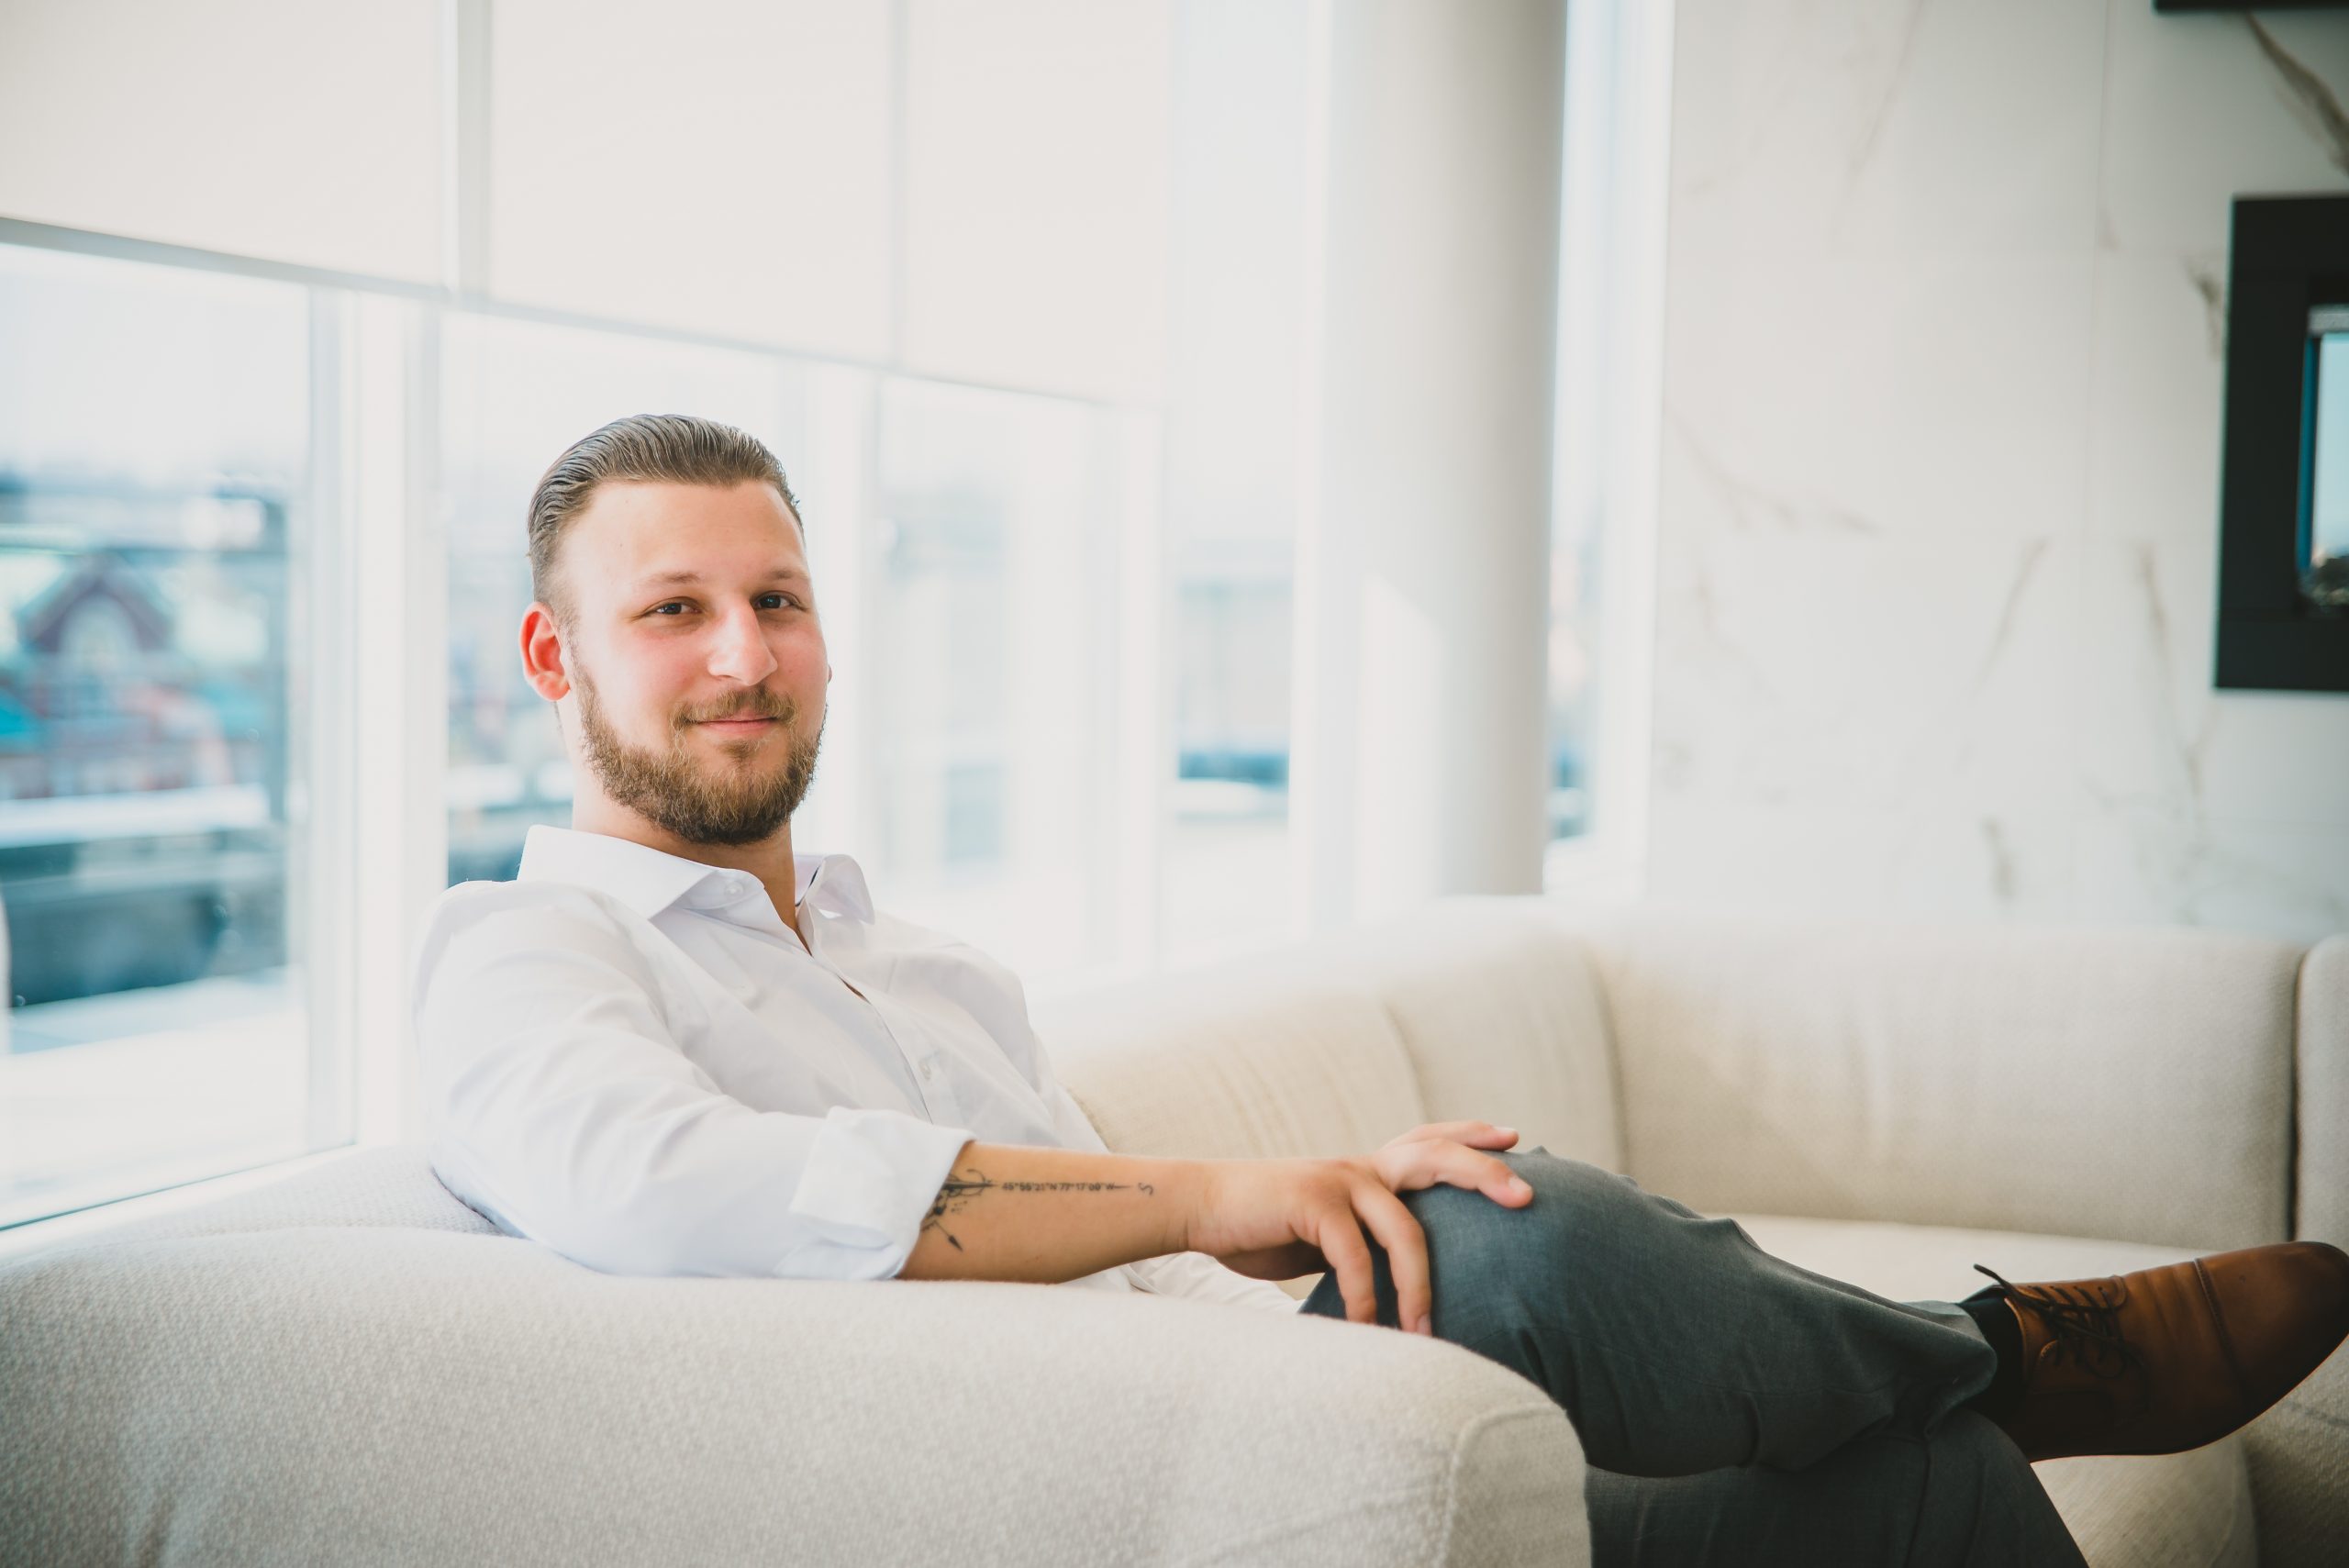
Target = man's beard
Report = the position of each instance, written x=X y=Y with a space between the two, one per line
x=677 y=793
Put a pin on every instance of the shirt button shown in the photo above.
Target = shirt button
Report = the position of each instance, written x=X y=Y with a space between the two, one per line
x=927 y=1071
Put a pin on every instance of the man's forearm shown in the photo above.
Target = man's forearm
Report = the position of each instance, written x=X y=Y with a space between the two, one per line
x=1011 y=1212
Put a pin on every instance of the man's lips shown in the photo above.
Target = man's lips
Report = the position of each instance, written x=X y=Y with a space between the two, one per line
x=738 y=725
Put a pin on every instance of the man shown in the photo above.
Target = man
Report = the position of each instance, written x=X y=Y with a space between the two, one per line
x=674 y=1046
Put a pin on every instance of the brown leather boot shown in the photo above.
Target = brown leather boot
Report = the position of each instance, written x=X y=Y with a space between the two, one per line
x=2172 y=1358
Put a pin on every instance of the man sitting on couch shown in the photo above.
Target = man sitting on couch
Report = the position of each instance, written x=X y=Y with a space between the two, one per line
x=674 y=1047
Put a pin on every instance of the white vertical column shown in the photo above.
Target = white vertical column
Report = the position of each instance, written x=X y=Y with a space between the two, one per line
x=1611 y=407
x=393 y=720
x=1424 y=556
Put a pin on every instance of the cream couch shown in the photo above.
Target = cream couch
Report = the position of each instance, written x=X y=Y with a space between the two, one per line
x=350 y=1367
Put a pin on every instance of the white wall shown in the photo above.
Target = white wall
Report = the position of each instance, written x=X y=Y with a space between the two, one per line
x=1938 y=498
x=726 y=170
x=276 y=128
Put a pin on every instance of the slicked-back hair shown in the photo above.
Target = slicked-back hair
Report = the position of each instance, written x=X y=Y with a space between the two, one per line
x=667 y=448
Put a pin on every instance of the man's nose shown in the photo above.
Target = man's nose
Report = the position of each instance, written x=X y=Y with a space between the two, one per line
x=739 y=649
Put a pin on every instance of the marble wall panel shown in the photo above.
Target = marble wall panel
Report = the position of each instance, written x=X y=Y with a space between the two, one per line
x=1938 y=398
x=1943 y=385
x=2200 y=109
x=2155 y=401
x=2146 y=713
x=2149 y=867
x=2155 y=736
x=1872 y=124
x=1824 y=861
x=1866 y=670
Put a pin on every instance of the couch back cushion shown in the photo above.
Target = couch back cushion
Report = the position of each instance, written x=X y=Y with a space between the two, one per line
x=1246 y=1059
x=2134 y=1084
x=1468 y=1009
x=1503 y=1021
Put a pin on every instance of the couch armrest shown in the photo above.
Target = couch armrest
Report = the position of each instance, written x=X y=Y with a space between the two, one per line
x=406 y=1395
x=2321 y=1052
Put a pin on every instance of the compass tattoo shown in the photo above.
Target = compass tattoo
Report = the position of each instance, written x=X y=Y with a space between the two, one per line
x=960 y=1192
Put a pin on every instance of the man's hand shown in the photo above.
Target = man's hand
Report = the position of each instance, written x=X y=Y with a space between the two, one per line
x=1279 y=1218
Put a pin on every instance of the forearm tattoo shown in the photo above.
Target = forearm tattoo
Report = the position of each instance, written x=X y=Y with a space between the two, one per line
x=961 y=1191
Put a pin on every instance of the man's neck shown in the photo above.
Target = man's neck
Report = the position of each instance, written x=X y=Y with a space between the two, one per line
x=769 y=859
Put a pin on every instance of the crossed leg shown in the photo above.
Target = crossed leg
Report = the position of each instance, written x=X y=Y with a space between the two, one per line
x=1732 y=1406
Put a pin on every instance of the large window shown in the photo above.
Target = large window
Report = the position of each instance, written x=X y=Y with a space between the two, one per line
x=155 y=468
x=262 y=552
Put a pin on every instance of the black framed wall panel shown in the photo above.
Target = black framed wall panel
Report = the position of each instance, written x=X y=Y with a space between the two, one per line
x=2290 y=259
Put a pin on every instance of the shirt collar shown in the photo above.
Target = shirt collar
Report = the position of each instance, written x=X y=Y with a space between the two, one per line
x=648 y=880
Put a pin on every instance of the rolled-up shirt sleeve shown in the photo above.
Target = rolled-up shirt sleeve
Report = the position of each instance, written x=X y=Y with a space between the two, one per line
x=561 y=1105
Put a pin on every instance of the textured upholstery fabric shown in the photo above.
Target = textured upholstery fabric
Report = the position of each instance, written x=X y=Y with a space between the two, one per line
x=1503 y=1022
x=398 y=1396
x=2299 y=1472
x=1253 y=1061
x=2134 y=1084
x=1472 y=1010
x=2178 y=1510
x=366 y=1186
x=2324 y=1093
x=2300 y=1455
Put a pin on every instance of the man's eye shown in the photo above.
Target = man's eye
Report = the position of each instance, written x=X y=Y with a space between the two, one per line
x=681 y=605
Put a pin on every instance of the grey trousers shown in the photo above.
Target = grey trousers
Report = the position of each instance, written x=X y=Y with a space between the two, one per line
x=1732 y=1407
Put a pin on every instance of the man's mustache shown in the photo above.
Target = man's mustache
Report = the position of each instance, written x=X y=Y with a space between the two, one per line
x=780 y=708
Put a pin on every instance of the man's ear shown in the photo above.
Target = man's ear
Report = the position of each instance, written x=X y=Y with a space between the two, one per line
x=542 y=655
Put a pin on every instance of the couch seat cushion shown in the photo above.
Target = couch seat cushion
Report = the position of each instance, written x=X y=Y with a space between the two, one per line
x=2179 y=1511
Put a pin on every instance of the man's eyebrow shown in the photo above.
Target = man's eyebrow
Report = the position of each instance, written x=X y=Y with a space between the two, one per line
x=779 y=574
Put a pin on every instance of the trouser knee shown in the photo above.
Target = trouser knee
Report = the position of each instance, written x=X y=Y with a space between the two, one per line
x=1488 y=1259
x=1499 y=1272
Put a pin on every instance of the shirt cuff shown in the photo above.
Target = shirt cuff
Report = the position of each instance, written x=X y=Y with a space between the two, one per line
x=869 y=1183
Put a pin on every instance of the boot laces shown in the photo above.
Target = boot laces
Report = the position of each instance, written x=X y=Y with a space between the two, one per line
x=2081 y=1326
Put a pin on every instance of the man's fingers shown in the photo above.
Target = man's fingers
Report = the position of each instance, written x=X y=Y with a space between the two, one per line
x=1423 y=1165
x=1406 y=1254
x=1348 y=1256
x=1497 y=1181
x=1478 y=1173
x=1478 y=1134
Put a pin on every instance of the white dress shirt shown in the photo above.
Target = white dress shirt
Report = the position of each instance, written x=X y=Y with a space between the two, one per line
x=627 y=1056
